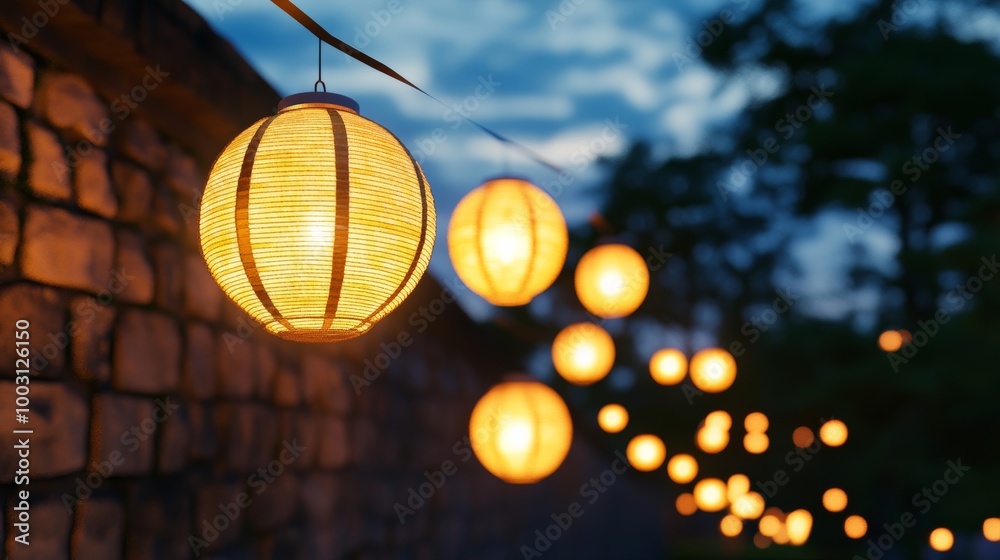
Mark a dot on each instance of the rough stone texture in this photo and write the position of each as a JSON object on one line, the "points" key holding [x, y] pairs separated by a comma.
{"points": [[58, 416], [183, 176], [133, 265], [10, 233], [158, 522], [56, 520], [17, 77], [140, 141], [62, 249], [99, 529], [198, 377], [202, 296], [123, 431], [207, 501], [10, 142], [147, 353], [45, 310], [167, 217], [135, 192], [93, 186], [203, 437], [69, 103], [49, 172], [168, 266], [175, 439], [90, 347]]}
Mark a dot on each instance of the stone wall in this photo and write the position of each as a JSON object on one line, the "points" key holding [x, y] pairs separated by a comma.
{"points": [[156, 406]]}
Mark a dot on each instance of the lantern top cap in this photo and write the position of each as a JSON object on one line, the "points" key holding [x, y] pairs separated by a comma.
{"points": [[319, 98], [507, 178]]}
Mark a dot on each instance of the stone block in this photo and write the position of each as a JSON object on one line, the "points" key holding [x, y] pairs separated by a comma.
{"points": [[124, 432], [58, 417], [133, 263], [324, 384], [138, 140], [49, 518], [99, 529], [69, 103], [17, 77], [320, 495], [135, 192], [168, 266], [45, 310], [334, 450], [275, 495], [237, 369], [286, 388], [10, 142], [49, 172], [10, 233], [147, 353], [202, 296], [198, 377], [94, 192], [66, 250], [175, 440], [204, 443], [90, 347]]}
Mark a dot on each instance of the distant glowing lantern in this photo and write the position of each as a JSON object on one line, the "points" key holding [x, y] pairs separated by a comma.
{"points": [[507, 240], [731, 525], [991, 529], [685, 504], [646, 452], [583, 353], [833, 433], [803, 437], [748, 506], [710, 494], [713, 370], [855, 527], [890, 341], [521, 430], [756, 442], [781, 537], [756, 422], [798, 525], [736, 486], [719, 419], [769, 525], [612, 418], [682, 468], [712, 439], [941, 539], [761, 541], [834, 500], [611, 280], [317, 222], [668, 366]]}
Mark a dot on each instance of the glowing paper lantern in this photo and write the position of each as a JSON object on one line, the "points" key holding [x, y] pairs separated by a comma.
{"points": [[756, 442], [803, 437], [611, 280], [646, 452], [798, 525], [756, 422], [710, 494], [855, 526], [685, 504], [731, 525], [834, 500], [719, 419], [713, 370], [712, 439], [316, 221], [769, 525], [507, 240], [833, 433], [748, 506], [991, 529], [612, 418], [682, 468], [941, 539], [521, 430], [668, 366], [583, 353]]}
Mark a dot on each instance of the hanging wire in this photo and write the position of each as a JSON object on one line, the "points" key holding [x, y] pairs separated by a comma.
{"points": [[319, 72]]}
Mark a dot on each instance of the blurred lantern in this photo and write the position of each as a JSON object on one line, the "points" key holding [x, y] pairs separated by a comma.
{"points": [[710, 494], [685, 504], [748, 506], [769, 525], [941, 539], [834, 500], [719, 419], [521, 430], [682, 468], [668, 366], [803, 437], [855, 526], [833, 433], [712, 439], [756, 442], [646, 452], [890, 341], [761, 541], [611, 280], [583, 353], [713, 370], [507, 240], [798, 525], [781, 537], [612, 418], [756, 422], [317, 222], [991, 529], [736, 486], [731, 525]]}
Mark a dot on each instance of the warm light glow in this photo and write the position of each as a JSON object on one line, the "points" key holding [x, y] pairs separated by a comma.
{"points": [[781, 537], [761, 541], [507, 240], [834, 500], [710, 494], [712, 439], [583, 353], [685, 504], [521, 431], [719, 419], [890, 341], [803, 437], [798, 525], [736, 486], [612, 418], [756, 442], [833, 433], [682, 468], [991, 529], [713, 370], [731, 525], [756, 422], [611, 280], [942, 540], [855, 526], [316, 221], [748, 506], [769, 525], [646, 452], [668, 366]]}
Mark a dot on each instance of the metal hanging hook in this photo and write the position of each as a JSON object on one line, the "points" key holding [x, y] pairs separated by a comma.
{"points": [[319, 72]]}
